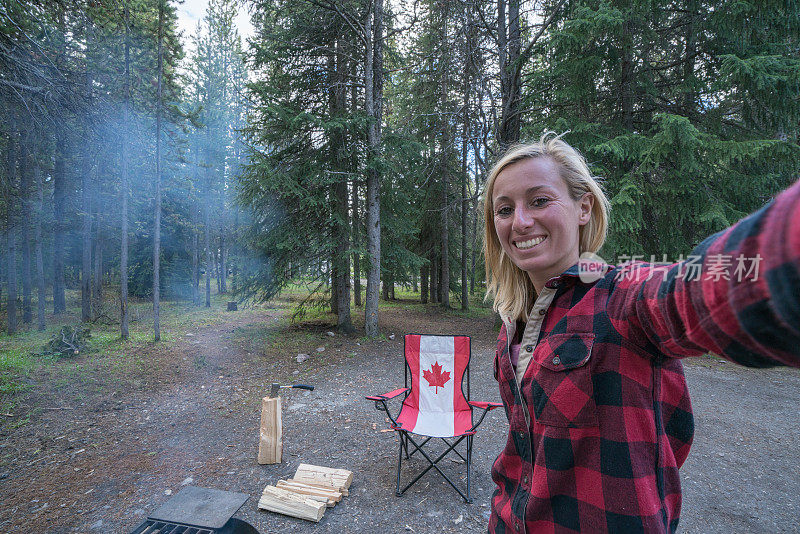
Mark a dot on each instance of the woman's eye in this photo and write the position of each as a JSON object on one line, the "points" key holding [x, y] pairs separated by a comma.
{"points": [[539, 202], [505, 211]]}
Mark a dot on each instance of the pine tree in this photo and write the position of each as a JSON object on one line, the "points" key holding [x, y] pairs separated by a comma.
{"points": [[683, 108]]}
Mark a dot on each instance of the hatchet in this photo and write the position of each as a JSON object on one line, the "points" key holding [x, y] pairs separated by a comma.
{"points": [[273, 392]]}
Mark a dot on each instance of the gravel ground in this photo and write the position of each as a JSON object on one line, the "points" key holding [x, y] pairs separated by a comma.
{"points": [[743, 473], [108, 456]]}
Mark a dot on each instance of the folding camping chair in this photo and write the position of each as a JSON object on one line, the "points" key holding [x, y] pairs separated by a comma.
{"points": [[435, 405]]}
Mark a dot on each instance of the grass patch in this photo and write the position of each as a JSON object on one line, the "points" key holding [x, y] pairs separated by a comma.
{"points": [[19, 362], [115, 360]]}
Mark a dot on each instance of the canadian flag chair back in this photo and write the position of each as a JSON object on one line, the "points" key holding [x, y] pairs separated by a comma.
{"points": [[436, 405]]}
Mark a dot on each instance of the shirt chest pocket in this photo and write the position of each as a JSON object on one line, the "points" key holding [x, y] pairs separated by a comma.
{"points": [[561, 385]]}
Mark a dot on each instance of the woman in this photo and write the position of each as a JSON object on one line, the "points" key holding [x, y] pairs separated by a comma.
{"points": [[599, 413]]}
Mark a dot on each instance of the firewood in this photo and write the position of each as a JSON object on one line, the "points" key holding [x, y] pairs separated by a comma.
{"points": [[270, 444], [339, 479], [292, 504], [325, 487], [330, 496]]}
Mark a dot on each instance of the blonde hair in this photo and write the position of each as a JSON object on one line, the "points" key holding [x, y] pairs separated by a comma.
{"points": [[512, 288]]}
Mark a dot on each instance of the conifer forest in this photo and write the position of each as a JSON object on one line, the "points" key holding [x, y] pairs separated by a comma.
{"points": [[345, 144]]}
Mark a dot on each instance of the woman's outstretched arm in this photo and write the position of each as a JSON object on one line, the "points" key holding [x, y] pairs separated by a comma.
{"points": [[737, 295]]}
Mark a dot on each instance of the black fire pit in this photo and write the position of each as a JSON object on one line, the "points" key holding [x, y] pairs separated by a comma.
{"points": [[196, 510]]}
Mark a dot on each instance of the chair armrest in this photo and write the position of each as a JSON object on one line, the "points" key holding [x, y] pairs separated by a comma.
{"points": [[386, 396], [486, 405]]}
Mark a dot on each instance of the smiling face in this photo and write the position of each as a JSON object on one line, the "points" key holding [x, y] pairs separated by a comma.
{"points": [[536, 220]]}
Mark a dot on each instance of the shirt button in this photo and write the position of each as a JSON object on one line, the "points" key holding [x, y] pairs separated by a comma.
{"points": [[542, 311], [556, 360], [525, 479], [528, 348]]}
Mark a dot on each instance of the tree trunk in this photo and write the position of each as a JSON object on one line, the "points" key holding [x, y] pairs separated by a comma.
{"points": [[217, 270], [123, 259], [59, 202], [468, 80], [333, 277], [59, 184], [209, 259], [423, 284], [11, 232], [236, 239], [195, 267], [157, 222], [86, 203], [40, 283], [97, 291], [86, 263], [27, 205], [474, 251], [341, 257], [356, 256], [223, 259], [373, 100], [627, 75], [444, 278], [690, 96], [11, 307], [444, 163], [434, 278], [508, 31], [354, 190]]}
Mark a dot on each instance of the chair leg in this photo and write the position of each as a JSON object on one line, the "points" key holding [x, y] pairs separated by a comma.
{"points": [[417, 447], [434, 466], [454, 450], [469, 467], [399, 463]]}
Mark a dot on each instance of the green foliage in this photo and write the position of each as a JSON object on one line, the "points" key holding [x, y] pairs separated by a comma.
{"points": [[688, 110]]}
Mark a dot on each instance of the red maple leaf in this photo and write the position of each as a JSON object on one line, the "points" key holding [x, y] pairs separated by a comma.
{"points": [[435, 377]]}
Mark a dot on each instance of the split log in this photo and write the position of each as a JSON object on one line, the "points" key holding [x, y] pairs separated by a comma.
{"points": [[342, 491], [270, 444], [327, 495], [290, 503], [338, 479]]}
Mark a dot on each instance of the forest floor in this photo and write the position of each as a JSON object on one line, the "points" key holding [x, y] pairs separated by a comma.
{"points": [[96, 443]]}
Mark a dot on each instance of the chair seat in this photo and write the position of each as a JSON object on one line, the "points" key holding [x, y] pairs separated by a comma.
{"points": [[435, 424]]}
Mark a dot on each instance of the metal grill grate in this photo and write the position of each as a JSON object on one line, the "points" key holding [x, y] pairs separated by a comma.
{"points": [[198, 511], [162, 527]]}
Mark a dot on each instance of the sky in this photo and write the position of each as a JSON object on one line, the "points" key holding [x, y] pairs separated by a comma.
{"points": [[190, 12]]}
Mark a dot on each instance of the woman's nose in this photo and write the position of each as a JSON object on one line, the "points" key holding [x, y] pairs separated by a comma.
{"points": [[522, 220]]}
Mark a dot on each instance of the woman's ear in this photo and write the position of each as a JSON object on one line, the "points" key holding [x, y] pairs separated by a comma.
{"points": [[585, 204]]}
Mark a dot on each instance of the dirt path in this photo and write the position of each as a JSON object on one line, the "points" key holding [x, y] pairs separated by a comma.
{"points": [[112, 454]]}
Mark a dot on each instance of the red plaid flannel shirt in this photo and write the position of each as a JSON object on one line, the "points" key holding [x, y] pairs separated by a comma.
{"points": [[602, 420]]}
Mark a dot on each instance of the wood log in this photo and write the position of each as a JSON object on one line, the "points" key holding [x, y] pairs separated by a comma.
{"points": [[343, 492], [328, 495], [339, 479], [290, 503], [270, 444]]}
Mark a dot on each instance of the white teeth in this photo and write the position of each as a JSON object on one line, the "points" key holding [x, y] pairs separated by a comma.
{"points": [[529, 244]]}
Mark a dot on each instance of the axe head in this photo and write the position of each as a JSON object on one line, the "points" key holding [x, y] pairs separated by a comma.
{"points": [[273, 392]]}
